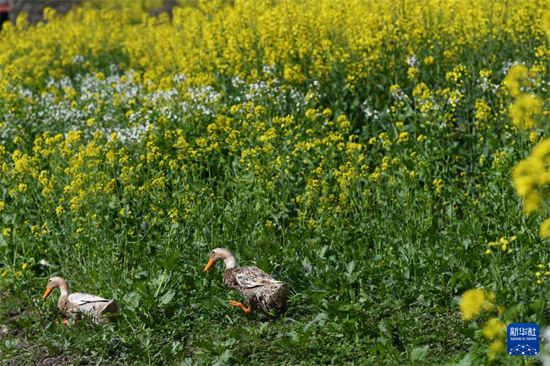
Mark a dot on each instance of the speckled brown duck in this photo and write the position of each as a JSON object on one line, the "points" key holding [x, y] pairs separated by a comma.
{"points": [[261, 291], [80, 303]]}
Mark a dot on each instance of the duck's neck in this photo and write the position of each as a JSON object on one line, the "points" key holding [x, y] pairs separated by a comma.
{"points": [[64, 288], [230, 262]]}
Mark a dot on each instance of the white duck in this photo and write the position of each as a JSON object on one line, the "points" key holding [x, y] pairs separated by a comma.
{"points": [[74, 305]]}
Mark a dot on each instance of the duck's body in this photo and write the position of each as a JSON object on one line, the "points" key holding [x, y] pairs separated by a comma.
{"points": [[80, 303], [95, 307], [261, 291]]}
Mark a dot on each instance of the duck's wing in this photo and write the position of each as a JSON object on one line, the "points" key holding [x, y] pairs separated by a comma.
{"points": [[249, 277], [110, 307], [87, 302]]}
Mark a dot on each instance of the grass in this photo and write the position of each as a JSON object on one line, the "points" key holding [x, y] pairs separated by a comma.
{"points": [[237, 340], [368, 166]]}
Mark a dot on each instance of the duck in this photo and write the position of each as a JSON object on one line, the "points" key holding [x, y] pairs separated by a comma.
{"points": [[81, 303], [261, 291]]}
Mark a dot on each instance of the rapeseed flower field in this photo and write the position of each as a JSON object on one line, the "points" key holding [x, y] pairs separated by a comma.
{"points": [[388, 160]]}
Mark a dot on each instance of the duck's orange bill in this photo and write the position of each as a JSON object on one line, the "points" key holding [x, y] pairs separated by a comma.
{"points": [[210, 263], [47, 293]]}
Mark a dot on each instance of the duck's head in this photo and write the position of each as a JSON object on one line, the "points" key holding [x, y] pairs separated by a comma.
{"points": [[221, 254], [56, 282]]}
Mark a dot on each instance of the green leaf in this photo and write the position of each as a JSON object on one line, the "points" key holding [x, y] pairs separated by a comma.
{"points": [[132, 300], [167, 297], [350, 267], [319, 319], [418, 353]]}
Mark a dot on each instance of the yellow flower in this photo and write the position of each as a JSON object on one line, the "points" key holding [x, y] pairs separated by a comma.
{"points": [[403, 137], [545, 23], [293, 74], [6, 232], [22, 187], [533, 137], [483, 110], [344, 122], [412, 73], [25, 266], [327, 113], [516, 78], [525, 110], [531, 203], [438, 184], [488, 303], [542, 149], [471, 303], [311, 114], [496, 347], [59, 210], [526, 175], [493, 327]]}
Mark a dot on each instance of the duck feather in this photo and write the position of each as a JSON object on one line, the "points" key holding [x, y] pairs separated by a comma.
{"points": [[261, 291], [250, 277]]}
